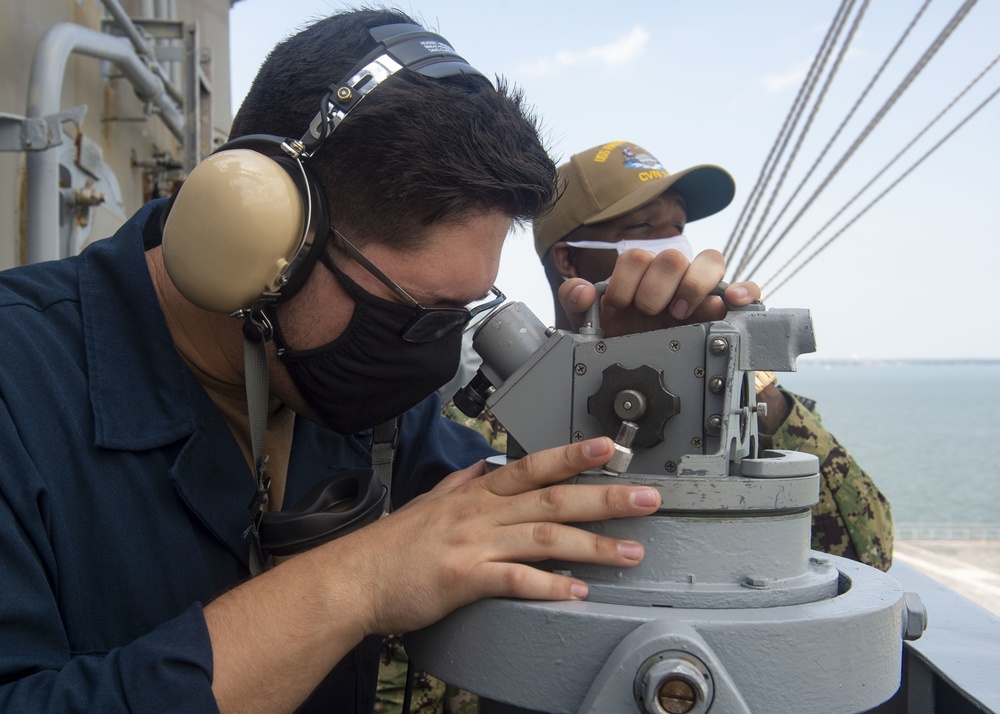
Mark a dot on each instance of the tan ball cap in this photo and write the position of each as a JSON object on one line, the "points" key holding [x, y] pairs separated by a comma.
{"points": [[234, 228], [612, 179]]}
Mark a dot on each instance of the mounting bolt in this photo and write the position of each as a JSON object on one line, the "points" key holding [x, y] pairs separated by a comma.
{"points": [[674, 682], [577, 436], [719, 347], [699, 372], [674, 345], [915, 618], [601, 348], [88, 196], [715, 423], [696, 442], [670, 467], [581, 369], [676, 695]]}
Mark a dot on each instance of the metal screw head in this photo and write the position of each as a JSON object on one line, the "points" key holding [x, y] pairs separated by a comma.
{"points": [[674, 345], [719, 346], [601, 348], [629, 404], [577, 436], [670, 467], [715, 423], [581, 369], [696, 442], [699, 372], [716, 384], [674, 682], [344, 94], [676, 696]]}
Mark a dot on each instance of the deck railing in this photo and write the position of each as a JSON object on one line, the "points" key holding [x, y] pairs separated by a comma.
{"points": [[947, 531]]}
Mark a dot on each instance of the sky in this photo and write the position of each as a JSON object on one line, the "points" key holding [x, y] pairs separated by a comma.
{"points": [[912, 277]]}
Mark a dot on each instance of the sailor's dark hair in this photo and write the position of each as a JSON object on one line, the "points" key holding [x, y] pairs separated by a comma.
{"points": [[414, 151]]}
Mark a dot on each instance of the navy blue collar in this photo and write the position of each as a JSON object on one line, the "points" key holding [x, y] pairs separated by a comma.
{"points": [[143, 394], [142, 366]]}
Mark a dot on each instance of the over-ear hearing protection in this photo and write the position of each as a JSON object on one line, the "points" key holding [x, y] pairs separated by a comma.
{"points": [[243, 225], [245, 229]]}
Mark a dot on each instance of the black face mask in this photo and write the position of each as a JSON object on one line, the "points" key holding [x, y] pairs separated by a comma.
{"points": [[369, 374]]}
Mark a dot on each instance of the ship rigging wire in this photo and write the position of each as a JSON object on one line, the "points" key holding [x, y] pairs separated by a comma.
{"points": [[791, 120], [757, 242], [836, 134], [754, 243], [890, 187]]}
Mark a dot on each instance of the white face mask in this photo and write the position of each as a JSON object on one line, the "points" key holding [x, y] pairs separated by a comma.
{"points": [[653, 245]]}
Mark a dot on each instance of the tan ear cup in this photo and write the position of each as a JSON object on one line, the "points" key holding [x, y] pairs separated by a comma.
{"points": [[235, 226]]}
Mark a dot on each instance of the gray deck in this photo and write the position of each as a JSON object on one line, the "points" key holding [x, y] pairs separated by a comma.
{"points": [[969, 567]]}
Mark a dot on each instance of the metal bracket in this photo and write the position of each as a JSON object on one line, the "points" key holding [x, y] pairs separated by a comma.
{"points": [[19, 133]]}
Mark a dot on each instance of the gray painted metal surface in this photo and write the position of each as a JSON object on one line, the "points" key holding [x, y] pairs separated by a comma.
{"points": [[44, 91], [730, 610], [840, 654], [957, 659]]}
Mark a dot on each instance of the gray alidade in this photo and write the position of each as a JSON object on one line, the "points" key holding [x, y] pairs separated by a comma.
{"points": [[730, 610]]}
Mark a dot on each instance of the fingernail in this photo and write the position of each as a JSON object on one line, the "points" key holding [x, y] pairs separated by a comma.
{"points": [[632, 551], [598, 447], [644, 497], [679, 309], [741, 293], [574, 294], [579, 590]]}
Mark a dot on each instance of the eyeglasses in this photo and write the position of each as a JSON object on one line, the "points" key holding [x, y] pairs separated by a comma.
{"points": [[428, 323]]}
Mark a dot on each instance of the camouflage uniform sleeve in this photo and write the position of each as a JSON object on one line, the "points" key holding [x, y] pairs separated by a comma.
{"points": [[492, 430], [430, 695], [853, 518], [427, 694]]}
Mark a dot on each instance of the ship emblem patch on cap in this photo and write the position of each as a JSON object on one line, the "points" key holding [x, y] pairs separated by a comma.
{"points": [[634, 159]]}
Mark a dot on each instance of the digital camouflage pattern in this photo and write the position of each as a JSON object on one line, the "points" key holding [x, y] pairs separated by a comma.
{"points": [[486, 424], [430, 695], [852, 519]]}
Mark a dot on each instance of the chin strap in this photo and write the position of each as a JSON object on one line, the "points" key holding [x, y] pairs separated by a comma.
{"points": [[385, 437], [257, 330]]}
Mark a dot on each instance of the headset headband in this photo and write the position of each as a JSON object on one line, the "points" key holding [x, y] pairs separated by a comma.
{"points": [[401, 46]]}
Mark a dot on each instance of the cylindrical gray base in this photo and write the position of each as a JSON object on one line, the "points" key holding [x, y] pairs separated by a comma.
{"points": [[841, 654], [694, 561]]}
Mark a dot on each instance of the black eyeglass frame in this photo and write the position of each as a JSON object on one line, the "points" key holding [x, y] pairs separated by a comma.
{"points": [[429, 323]]}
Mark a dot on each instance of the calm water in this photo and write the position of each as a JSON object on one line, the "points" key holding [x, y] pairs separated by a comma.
{"points": [[928, 433]]}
